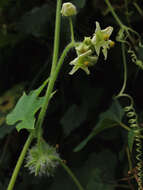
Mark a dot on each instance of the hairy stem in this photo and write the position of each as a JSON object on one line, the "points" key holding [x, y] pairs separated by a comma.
{"points": [[19, 162]]}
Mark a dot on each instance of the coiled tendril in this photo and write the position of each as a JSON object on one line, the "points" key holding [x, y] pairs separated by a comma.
{"points": [[133, 124], [134, 58]]}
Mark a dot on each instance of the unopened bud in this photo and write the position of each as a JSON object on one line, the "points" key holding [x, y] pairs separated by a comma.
{"points": [[68, 9]]}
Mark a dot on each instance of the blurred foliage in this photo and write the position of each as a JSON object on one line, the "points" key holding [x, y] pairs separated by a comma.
{"points": [[111, 118], [7, 103], [82, 106]]}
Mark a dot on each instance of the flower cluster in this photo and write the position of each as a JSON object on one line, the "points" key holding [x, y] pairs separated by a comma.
{"points": [[88, 51], [42, 159]]}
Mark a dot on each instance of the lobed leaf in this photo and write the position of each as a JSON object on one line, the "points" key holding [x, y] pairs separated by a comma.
{"points": [[24, 112]]}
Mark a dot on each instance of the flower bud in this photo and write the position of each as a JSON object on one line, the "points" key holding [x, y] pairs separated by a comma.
{"points": [[68, 9]]}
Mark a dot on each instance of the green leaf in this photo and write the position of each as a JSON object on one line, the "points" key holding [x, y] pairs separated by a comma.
{"points": [[131, 138], [25, 109], [110, 118], [73, 118]]}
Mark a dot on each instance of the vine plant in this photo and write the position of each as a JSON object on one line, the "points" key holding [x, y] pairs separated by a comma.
{"points": [[42, 159], [125, 37]]}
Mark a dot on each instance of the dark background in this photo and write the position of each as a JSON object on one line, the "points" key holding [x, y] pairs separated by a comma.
{"points": [[26, 46]]}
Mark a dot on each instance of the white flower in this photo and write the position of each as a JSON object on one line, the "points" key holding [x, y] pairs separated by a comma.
{"points": [[83, 61]]}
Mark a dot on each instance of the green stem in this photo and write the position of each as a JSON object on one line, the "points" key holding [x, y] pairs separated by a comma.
{"points": [[72, 175], [57, 35], [138, 8], [71, 29], [19, 162], [124, 27], [50, 89], [124, 126], [125, 70], [114, 14], [129, 158], [127, 12], [127, 128]]}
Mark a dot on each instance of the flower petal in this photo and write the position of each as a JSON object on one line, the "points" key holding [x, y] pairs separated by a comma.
{"points": [[108, 31], [97, 27], [74, 69]]}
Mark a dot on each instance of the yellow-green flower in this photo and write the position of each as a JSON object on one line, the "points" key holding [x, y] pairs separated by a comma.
{"points": [[84, 46], [83, 61], [101, 39]]}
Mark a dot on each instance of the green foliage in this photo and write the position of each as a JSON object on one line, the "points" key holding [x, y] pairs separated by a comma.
{"points": [[4, 3], [73, 118], [36, 21], [26, 50], [9, 39], [111, 118], [131, 138], [25, 110], [5, 130], [94, 173], [7, 103]]}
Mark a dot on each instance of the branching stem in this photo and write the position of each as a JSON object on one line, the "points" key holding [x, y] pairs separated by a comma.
{"points": [[119, 22], [114, 14], [50, 89]]}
